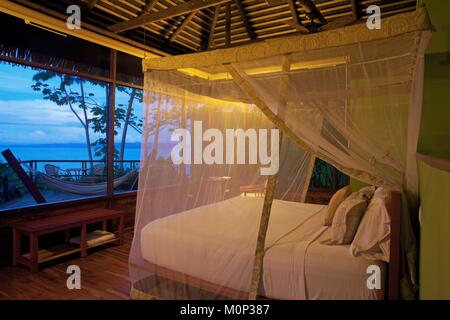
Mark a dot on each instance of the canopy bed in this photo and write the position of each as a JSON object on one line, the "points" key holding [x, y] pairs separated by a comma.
{"points": [[351, 97]]}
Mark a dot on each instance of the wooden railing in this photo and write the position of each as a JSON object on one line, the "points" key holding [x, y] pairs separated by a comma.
{"points": [[83, 164], [10, 184]]}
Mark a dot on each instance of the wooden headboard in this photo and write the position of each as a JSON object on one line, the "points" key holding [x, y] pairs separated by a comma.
{"points": [[393, 278]]}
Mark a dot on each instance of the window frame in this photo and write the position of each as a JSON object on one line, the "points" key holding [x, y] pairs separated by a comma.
{"points": [[111, 106]]}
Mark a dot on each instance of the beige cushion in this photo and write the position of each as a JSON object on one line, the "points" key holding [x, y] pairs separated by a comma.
{"points": [[335, 201], [346, 219], [372, 240]]}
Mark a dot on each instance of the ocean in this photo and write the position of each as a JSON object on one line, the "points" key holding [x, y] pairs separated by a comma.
{"points": [[69, 151]]}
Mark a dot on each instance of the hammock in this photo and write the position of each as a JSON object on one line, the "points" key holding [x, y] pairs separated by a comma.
{"points": [[83, 188]]}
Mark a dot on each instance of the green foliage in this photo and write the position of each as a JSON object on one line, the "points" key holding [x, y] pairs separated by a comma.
{"points": [[67, 90], [3, 168], [322, 176], [61, 92]]}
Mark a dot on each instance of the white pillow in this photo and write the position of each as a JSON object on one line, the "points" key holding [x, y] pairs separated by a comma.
{"points": [[372, 240], [346, 219], [367, 192]]}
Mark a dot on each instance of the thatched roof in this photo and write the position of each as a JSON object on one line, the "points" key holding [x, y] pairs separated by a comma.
{"points": [[179, 26]]}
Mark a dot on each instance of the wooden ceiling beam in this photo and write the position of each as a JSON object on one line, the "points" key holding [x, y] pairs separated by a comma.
{"points": [[293, 10], [149, 5], [228, 24], [245, 20], [274, 3], [355, 9], [297, 27], [213, 27], [312, 10], [92, 3], [296, 23], [182, 26], [181, 9]]}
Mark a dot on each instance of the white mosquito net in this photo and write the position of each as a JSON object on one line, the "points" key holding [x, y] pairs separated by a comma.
{"points": [[211, 199]]}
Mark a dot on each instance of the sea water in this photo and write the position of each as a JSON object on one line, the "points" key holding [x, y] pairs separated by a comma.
{"points": [[70, 151]]}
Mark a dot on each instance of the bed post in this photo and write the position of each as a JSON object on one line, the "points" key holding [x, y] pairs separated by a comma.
{"points": [[393, 280]]}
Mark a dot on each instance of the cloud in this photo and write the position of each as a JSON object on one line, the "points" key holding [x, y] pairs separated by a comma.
{"points": [[39, 121], [14, 82], [47, 135], [37, 111], [25, 117], [38, 134]]}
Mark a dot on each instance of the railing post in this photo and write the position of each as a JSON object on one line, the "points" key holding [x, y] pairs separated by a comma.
{"points": [[30, 171], [35, 169]]}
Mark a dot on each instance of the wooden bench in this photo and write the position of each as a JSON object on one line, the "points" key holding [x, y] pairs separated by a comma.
{"points": [[35, 228]]}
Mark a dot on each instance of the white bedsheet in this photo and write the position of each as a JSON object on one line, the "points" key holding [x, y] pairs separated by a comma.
{"points": [[216, 243]]}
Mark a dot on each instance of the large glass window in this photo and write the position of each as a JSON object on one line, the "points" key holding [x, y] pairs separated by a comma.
{"points": [[55, 125], [127, 138]]}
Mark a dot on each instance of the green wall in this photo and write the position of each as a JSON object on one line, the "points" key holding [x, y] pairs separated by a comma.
{"points": [[356, 184], [435, 141], [439, 11], [435, 233], [435, 124]]}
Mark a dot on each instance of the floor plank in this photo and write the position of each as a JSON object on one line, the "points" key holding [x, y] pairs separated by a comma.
{"points": [[104, 275]]}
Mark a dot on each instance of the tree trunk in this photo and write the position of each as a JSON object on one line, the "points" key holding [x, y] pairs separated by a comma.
{"points": [[125, 127], [85, 124], [156, 136], [86, 127]]}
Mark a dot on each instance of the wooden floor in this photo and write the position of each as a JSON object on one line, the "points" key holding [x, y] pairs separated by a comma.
{"points": [[104, 275]]}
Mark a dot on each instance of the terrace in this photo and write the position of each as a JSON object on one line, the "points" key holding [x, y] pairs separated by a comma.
{"points": [[79, 174]]}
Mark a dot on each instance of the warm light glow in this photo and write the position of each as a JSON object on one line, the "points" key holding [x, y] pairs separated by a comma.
{"points": [[44, 28], [304, 65]]}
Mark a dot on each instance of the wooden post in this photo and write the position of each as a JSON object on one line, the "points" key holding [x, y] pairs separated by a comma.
{"points": [[67, 235], [395, 210], [16, 246], [121, 227], [110, 126], [34, 253], [26, 180], [261, 240], [183, 126], [83, 240]]}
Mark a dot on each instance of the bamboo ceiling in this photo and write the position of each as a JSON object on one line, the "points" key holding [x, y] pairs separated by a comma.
{"points": [[178, 26]]}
